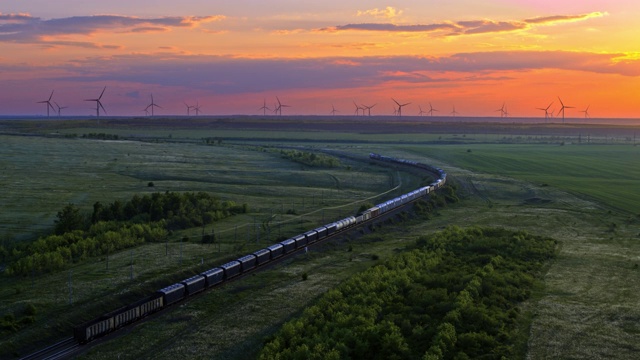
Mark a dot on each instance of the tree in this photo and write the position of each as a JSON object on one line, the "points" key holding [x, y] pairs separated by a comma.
{"points": [[69, 219]]}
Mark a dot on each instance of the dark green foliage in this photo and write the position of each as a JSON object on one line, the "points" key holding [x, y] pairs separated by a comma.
{"points": [[310, 159], [364, 207], [100, 136], [454, 296], [69, 219], [117, 226]]}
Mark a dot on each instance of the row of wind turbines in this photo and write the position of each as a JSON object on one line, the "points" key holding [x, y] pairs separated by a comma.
{"points": [[549, 114], [50, 106], [360, 110]]}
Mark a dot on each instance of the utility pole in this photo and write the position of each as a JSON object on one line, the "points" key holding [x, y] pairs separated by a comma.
{"points": [[131, 265], [70, 288]]}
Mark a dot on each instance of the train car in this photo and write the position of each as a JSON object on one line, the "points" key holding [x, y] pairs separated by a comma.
{"points": [[321, 231], [173, 293], [231, 269], [194, 284], [248, 262], [137, 310], [262, 256], [301, 240], [93, 329], [310, 236], [213, 276], [276, 250], [150, 305], [351, 220], [331, 228], [289, 245]]}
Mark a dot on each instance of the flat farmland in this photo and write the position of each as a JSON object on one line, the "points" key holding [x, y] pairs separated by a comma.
{"points": [[606, 173]]}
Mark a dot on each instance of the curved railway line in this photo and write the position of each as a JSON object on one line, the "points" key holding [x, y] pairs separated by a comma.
{"points": [[189, 288]]}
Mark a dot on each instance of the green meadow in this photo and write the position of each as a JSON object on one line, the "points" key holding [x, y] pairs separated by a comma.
{"points": [[584, 196], [606, 173]]}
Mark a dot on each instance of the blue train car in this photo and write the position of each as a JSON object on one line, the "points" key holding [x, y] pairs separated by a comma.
{"points": [[301, 240], [262, 256], [248, 262], [276, 250], [289, 245], [322, 232], [173, 293], [194, 284], [231, 269], [311, 236], [213, 276]]}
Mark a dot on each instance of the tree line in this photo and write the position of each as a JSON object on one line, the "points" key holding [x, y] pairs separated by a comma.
{"points": [[116, 226], [310, 159], [455, 295]]}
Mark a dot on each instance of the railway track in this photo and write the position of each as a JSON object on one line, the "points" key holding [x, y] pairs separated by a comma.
{"points": [[57, 351]]}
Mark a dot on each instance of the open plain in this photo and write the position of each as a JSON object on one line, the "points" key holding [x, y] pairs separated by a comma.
{"points": [[574, 183]]}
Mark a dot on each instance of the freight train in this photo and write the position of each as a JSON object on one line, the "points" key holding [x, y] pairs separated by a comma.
{"points": [[179, 291]]}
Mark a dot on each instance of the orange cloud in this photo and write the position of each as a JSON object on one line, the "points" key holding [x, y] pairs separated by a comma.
{"points": [[387, 13]]}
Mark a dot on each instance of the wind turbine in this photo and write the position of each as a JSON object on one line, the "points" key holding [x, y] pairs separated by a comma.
{"points": [[152, 105], [586, 112], [431, 109], [333, 110], [368, 108], [546, 110], [502, 110], [189, 107], [280, 106], [98, 103], [562, 108], [264, 107], [59, 108], [358, 108], [421, 112], [48, 102], [454, 112], [400, 106], [197, 108]]}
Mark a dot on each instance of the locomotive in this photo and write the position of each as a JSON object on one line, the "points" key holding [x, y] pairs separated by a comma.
{"points": [[218, 275]]}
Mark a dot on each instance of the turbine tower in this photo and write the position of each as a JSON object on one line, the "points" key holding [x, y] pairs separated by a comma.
{"points": [[280, 106], [152, 105], [502, 110], [60, 108], [196, 108], [431, 110], [421, 112], [264, 107], [333, 110], [189, 107], [562, 107], [546, 111], [586, 112], [454, 112], [368, 108], [358, 108], [98, 103], [48, 102], [400, 106]]}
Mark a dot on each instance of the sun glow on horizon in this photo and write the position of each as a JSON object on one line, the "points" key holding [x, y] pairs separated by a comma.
{"points": [[227, 54]]}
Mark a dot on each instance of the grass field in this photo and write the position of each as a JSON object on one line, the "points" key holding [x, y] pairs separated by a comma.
{"points": [[587, 310]]}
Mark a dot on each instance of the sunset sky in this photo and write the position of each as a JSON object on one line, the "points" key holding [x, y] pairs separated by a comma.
{"points": [[230, 56]]}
